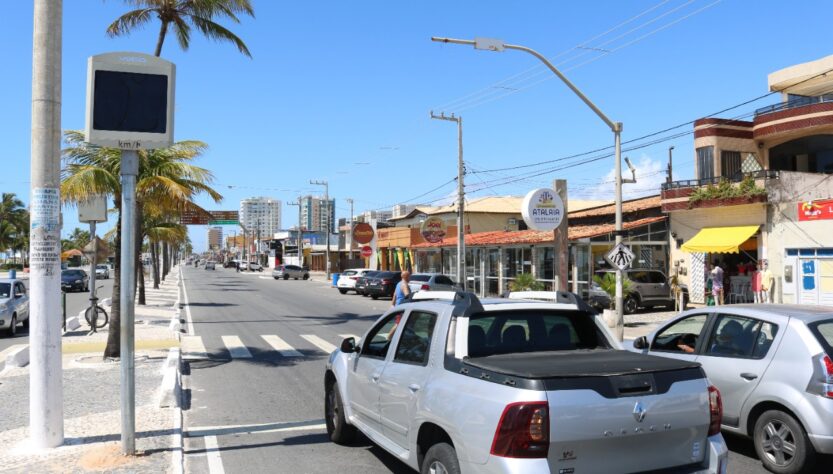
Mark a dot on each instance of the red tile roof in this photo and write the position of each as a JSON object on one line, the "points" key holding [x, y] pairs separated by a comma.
{"points": [[529, 237], [633, 205]]}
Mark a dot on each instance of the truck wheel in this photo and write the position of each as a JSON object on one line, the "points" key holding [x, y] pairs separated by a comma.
{"points": [[343, 292], [631, 305], [286, 277], [26, 323], [781, 443], [374, 297], [338, 429], [440, 459]]}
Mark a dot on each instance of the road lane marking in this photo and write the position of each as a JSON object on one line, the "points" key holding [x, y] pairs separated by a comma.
{"points": [[193, 348], [213, 431], [190, 322], [281, 346], [319, 343], [212, 452], [236, 348], [265, 278]]}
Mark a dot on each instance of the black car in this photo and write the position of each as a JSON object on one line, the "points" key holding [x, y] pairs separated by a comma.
{"points": [[362, 281], [75, 280], [383, 284]]}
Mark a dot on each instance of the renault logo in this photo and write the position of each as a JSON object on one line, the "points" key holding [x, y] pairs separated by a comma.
{"points": [[639, 412]]}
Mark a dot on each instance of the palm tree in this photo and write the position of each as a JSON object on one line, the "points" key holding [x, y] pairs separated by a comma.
{"points": [[14, 222], [166, 178], [182, 15]]}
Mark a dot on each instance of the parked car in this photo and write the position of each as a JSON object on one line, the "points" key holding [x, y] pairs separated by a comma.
{"points": [[75, 279], [230, 264], [348, 278], [431, 282], [102, 271], [773, 365], [290, 271], [362, 282], [14, 305], [209, 265], [448, 383], [251, 266], [650, 288], [383, 284]]}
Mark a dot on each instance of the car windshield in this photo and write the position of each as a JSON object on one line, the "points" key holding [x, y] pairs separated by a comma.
{"points": [[101, 267], [510, 332], [420, 277], [823, 331], [72, 273], [349, 272], [5, 290]]}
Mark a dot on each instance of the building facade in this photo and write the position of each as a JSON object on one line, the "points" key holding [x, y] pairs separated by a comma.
{"points": [[763, 193], [261, 215], [317, 215], [214, 238]]}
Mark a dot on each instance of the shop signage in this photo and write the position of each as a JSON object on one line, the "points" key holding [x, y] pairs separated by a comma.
{"points": [[367, 251], [433, 230], [815, 210], [362, 233], [542, 209]]}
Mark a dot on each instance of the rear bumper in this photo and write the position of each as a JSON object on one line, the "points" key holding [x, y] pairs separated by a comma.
{"points": [[378, 291]]}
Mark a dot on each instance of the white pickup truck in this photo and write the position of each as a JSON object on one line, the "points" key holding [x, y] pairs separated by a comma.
{"points": [[450, 384]]}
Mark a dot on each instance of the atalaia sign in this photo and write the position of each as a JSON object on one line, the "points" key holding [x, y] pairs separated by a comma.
{"points": [[542, 209]]}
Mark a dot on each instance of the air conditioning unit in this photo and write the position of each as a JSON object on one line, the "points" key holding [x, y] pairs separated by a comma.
{"points": [[513, 221]]}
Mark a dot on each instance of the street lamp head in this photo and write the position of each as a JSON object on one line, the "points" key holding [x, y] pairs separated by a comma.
{"points": [[488, 44]]}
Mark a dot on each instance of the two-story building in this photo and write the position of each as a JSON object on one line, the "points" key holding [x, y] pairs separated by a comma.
{"points": [[763, 191]]}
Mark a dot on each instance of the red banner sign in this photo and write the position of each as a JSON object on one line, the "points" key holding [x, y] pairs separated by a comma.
{"points": [[367, 251], [815, 210], [362, 233]]}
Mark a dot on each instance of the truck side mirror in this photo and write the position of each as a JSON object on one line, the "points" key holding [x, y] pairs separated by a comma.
{"points": [[348, 346], [640, 342]]}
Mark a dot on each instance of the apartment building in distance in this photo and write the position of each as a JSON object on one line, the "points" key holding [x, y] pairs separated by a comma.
{"points": [[214, 237], [317, 214], [261, 215]]}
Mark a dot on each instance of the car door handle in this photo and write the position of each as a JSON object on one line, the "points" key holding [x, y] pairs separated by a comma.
{"points": [[413, 387], [375, 377], [749, 376]]}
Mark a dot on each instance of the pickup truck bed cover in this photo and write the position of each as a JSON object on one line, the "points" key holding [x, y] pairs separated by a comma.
{"points": [[576, 363]]}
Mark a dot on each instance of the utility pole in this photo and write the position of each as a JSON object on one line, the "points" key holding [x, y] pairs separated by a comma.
{"points": [[350, 231], [326, 219], [298, 203], [461, 171], [46, 413], [670, 176]]}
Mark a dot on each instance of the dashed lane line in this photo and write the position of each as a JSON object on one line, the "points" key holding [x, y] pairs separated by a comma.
{"points": [[281, 346], [212, 452], [319, 343]]}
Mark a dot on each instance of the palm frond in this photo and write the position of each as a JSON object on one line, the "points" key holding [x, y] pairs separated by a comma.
{"points": [[129, 21], [219, 33]]}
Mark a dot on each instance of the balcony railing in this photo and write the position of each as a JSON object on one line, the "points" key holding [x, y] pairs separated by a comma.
{"points": [[793, 103], [736, 178]]}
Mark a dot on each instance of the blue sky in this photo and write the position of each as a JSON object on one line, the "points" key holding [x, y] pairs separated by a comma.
{"points": [[342, 90]]}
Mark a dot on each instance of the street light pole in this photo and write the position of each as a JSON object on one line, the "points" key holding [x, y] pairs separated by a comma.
{"points": [[350, 232], [616, 127], [326, 220], [461, 171]]}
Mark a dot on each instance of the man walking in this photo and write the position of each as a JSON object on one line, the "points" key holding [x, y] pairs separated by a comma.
{"points": [[717, 284], [767, 284], [402, 289]]}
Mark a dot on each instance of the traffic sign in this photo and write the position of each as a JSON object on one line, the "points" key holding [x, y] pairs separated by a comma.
{"points": [[620, 256], [367, 251]]}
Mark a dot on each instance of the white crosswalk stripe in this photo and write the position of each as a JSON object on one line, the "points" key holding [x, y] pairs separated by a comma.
{"points": [[319, 343], [281, 346], [193, 348], [236, 348]]}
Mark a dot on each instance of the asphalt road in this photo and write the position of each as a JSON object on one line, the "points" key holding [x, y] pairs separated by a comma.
{"points": [[264, 413]]}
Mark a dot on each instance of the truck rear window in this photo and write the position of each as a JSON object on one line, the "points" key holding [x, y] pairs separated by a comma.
{"points": [[823, 331], [505, 332]]}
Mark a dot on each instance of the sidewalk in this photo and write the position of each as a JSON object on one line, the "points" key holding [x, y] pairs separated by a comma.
{"points": [[92, 420]]}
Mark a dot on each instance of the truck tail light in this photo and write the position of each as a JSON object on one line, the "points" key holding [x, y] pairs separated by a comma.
{"points": [[386, 282], [825, 388], [523, 431], [425, 287], [715, 410], [354, 278]]}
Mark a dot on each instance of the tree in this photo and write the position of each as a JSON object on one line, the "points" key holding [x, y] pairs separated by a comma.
{"points": [[167, 178], [525, 282], [14, 223], [183, 15], [607, 283]]}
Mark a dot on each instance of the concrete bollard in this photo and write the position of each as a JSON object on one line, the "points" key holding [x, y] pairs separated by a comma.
{"points": [[73, 323], [171, 388], [18, 357]]}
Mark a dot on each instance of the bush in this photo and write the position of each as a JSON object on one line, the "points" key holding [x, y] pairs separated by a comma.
{"points": [[525, 282], [12, 266], [726, 190]]}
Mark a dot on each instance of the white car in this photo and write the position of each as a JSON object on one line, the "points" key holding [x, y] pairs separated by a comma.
{"points": [[14, 306], [102, 271], [347, 279]]}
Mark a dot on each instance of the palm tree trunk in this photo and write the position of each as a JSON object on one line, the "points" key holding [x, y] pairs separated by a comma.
{"points": [[140, 268], [161, 40], [113, 348], [154, 257], [165, 260]]}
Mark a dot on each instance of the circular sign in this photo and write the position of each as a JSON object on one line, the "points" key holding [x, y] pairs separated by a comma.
{"points": [[362, 233], [542, 209], [433, 230], [367, 251]]}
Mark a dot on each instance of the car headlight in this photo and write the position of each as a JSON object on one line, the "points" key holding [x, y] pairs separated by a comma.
{"points": [[77, 281]]}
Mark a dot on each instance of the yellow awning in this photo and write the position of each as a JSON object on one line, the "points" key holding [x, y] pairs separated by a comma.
{"points": [[720, 239]]}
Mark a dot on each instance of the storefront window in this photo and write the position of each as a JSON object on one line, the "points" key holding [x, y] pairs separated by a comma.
{"points": [[515, 262], [544, 261], [428, 261]]}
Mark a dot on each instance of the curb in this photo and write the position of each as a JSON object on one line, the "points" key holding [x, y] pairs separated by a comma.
{"points": [[171, 388], [18, 356]]}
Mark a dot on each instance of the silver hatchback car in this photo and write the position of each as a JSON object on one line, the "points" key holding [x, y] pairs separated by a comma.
{"points": [[773, 365]]}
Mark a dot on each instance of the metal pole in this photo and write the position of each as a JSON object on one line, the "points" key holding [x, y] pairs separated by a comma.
{"points": [[129, 172], [670, 177], [46, 415], [461, 240], [620, 314], [327, 222], [93, 261], [350, 232]]}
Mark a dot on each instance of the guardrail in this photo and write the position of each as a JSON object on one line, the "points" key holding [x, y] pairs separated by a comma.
{"points": [[738, 177], [792, 103]]}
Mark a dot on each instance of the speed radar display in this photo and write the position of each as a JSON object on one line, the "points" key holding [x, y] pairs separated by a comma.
{"points": [[130, 101]]}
